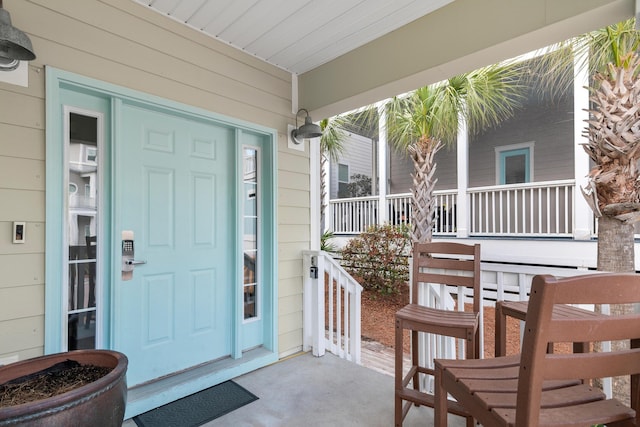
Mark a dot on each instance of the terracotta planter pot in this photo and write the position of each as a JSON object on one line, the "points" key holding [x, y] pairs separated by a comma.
{"points": [[100, 403]]}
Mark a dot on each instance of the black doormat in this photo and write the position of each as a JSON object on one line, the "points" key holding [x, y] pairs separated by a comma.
{"points": [[198, 408]]}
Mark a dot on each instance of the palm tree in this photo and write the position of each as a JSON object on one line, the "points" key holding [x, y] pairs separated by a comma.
{"points": [[613, 140], [613, 132], [430, 117]]}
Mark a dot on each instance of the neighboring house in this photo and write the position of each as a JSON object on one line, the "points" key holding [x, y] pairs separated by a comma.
{"points": [[515, 188], [535, 145], [357, 159], [134, 138]]}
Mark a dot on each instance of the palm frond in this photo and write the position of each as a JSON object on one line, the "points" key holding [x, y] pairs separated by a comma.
{"points": [[553, 70], [484, 98], [333, 137]]}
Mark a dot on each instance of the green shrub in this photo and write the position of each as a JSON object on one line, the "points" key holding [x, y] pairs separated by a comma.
{"points": [[378, 258]]}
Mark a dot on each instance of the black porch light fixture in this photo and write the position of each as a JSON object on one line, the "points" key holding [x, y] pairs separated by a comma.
{"points": [[15, 45], [307, 131]]}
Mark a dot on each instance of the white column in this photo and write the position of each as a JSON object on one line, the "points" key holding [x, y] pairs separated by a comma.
{"points": [[383, 214], [582, 216], [314, 190], [462, 153]]}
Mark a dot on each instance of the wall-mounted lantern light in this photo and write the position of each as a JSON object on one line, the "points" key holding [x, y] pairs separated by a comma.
{"points": [[15, 45], [307, 131]]}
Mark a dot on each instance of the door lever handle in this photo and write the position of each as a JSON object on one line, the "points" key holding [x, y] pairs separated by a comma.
{"points": [[135, 262]]}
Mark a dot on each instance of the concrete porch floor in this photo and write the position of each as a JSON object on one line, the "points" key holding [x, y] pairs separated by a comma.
{"points": [[304, 390]]}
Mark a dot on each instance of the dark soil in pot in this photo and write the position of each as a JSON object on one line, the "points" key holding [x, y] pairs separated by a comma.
{"points": [[57, 379], [99, 402]]}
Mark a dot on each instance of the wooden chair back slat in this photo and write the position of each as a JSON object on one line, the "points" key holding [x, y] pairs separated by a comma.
{"points": [[606, 288], [446, 279], [592, 365], [447, 263], [596, 329], [448, 248]]}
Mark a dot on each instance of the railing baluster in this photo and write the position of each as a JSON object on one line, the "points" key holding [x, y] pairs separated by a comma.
{"points": [[523, 208], [480, 212], [508, 212], [356, 332], [331, 310], [514, 212], [345, 308], [472, 213], [549, 219], [557, 212], [539, 210], [338, 320], [501, 201], [566, 209], [531, 210]]}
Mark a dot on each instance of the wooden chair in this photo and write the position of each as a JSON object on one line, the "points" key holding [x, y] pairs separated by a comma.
{"points": [[452, 264], [518, 310], [540, 388]]}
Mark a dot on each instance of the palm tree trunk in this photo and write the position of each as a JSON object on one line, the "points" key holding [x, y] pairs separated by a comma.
{"points": [[616, 254], [423, 202], [615, 245]]}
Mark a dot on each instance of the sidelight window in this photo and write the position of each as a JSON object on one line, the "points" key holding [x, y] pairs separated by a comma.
{"points": [[251, 217], [83, 143]]}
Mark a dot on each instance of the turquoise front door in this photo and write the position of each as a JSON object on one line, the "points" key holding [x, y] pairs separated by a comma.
{"points": [[173, 192]]}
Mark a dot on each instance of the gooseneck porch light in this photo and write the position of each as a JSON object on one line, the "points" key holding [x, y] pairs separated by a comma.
{"points": [[307, 131], [15, 45]]}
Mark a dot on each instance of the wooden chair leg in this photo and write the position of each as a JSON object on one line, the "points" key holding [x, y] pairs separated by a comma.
{"points": [[398, 373], [470, 422], [501, 331], [635, 386], [440, 401], [469, 348], [415, 359]]}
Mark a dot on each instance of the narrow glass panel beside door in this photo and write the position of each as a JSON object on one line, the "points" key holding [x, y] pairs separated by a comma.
{"points": [[250, 233], [82, 163]]}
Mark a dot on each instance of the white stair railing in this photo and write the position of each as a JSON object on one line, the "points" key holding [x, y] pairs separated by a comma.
{"points": [[332, 304]]}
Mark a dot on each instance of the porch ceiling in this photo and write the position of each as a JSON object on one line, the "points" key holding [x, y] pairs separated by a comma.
{"points": [[296, 35], [350, 53]]}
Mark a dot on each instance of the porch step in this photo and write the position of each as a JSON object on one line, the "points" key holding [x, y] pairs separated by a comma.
{"points": [[380, 358]]}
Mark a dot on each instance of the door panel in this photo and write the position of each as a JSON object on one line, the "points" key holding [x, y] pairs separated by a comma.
{"points": [[173, 190]]}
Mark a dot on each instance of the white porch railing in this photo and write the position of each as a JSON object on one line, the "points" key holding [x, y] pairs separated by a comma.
{"points": [[532, 209], [332, 303], [539, 209], [353, 215]]}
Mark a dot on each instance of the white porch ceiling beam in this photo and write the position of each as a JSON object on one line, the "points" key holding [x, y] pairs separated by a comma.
{"points": [[432, 48]]}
